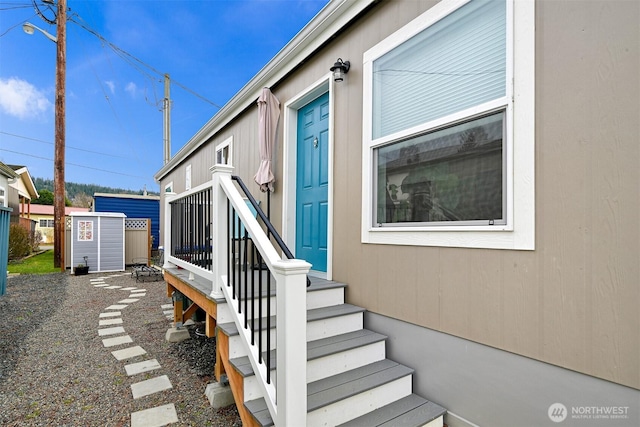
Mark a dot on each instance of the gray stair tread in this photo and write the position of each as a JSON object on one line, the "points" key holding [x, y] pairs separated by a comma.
{"points": [[338, 343], [342, 386], [258, 408], [317, 284], [319, 348], [230, 328], [410, 411], [338, 387], [333, 311], [243, 365]]}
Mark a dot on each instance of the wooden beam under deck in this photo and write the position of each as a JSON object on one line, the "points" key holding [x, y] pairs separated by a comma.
{"points": [[197, 296]]}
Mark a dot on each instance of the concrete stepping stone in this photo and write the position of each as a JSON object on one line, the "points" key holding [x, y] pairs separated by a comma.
{"points": [[111, 342], [137, 295], [113, 287], [155, 417], [107, 322], [128, 353], [129, 289], [168, 312], [151, 386], [164, 306], [111, 314], [140, 367], [111, 331], [116, 307], [104, 285], [99, 279], [128, 301]]}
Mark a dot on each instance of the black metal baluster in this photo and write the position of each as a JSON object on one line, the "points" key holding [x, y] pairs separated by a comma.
{"points": [[229, 246], [235, 254], [260, 309], [253, 298], [246, 277], [269, 330]]}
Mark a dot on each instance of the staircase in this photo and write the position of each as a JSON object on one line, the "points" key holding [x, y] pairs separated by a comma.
{"points": [[350, 382]]}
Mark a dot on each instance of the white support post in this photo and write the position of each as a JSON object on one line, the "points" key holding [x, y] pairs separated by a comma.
{"points": [[168, 197], [291, 327], [220, 231]]}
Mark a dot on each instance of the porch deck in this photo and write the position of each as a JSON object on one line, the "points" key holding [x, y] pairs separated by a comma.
{"points": [[198, 290]]}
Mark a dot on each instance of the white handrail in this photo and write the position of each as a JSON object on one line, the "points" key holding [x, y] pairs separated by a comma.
{"points": [[287, 400]]}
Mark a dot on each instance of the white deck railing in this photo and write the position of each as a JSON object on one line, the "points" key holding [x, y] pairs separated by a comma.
{"points": [[286, 400]]}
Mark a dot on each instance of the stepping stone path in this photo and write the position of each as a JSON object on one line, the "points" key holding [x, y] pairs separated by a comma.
{"points": [[108, 319]]}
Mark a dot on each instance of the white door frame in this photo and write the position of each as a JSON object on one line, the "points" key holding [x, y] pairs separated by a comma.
{"points": [[289, 151]]}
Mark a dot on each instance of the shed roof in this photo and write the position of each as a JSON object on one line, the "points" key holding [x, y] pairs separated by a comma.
{"points": [[97, 214], [127, 196]]}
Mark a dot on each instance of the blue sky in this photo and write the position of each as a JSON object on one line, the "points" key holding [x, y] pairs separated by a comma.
{"points": [[114, 123]]}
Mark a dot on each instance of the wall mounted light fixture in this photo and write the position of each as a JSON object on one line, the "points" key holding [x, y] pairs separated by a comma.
{"points": [[339, 69]]}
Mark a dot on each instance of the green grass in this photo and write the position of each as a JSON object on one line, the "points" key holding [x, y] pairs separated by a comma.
{"points": [[38, 264]]}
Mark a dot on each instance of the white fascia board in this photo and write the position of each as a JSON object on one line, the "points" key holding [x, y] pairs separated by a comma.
{"points": [[328, 22], [29, 186]]}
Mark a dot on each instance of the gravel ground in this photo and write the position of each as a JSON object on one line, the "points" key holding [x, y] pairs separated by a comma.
{"points": [[55, 371]]}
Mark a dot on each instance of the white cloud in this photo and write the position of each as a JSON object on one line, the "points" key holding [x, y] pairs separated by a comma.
{"points": [[131, 89], [21, 99], [111, 85]]}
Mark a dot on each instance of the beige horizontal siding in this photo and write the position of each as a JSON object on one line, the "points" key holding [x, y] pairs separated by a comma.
{"points": [[573, 301]]}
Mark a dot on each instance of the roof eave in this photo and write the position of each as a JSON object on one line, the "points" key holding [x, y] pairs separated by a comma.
{"points": [[333, 17]]}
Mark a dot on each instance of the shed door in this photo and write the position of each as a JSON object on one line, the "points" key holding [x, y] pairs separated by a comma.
{"points": [[312, 182], [111, 244]]}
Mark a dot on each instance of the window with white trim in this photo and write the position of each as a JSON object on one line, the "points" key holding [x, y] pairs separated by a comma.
{"points": [[187, 178], [3, 197], [46, 223], [442, 154], [224, 153]]}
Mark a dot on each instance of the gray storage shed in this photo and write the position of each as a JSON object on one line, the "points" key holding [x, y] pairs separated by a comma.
{"points": [[99, 236]]}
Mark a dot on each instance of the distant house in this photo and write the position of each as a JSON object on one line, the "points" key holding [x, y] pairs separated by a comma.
{"points": [[7, 176], [43, 216], [133, 206], [21, 190]]}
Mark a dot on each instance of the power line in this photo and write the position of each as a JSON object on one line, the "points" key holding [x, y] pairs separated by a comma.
{"points": [[126, 55], [68, 146], [14, 26], [123, 54], [74, 164]]}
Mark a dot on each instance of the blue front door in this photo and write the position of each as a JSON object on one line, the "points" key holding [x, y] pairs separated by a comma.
{"points": [[312, 182]]}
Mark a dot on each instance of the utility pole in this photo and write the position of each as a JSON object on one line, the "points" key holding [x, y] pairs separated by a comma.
{"points": [[166, 111], [60, 129]]}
